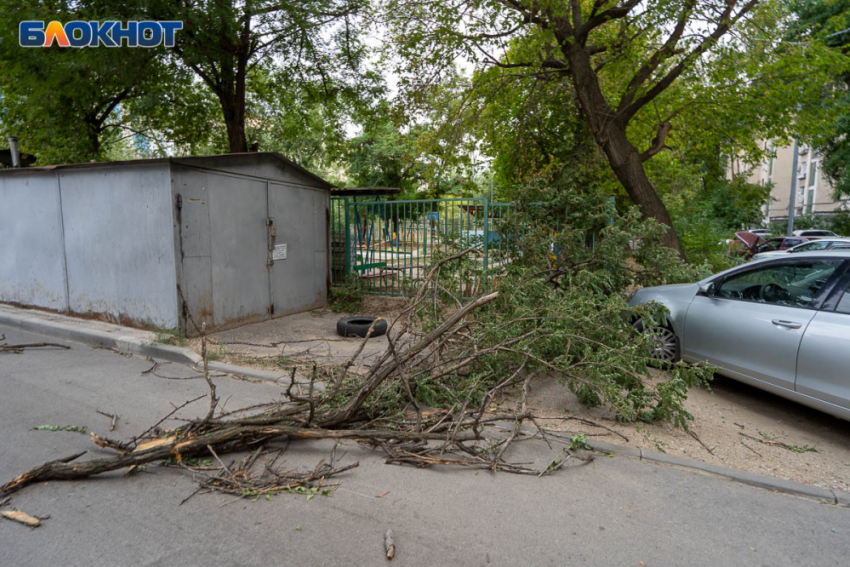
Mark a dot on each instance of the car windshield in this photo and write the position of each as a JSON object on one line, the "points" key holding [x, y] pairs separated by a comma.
{"points": [[810, 246], [791, 285]]}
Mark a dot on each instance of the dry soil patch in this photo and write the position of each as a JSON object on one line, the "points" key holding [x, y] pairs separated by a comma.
{"points": [[736, 424]]}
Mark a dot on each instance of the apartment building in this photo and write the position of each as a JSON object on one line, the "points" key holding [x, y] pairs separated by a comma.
{"points": [[814, 192]]}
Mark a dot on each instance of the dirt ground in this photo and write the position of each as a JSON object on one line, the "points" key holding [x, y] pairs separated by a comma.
{"points": [[739, 427]]}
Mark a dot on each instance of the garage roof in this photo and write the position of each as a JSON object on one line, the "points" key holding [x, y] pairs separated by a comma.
{"points": [[198, 161]]}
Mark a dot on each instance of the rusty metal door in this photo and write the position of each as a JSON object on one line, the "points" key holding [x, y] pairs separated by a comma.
{"points": [[298, 248]]}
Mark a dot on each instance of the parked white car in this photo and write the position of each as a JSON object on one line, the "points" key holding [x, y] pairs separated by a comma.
{"points": [[814, 233], [813, 246]]}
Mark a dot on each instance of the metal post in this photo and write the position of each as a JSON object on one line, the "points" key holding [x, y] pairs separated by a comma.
{"points": [[486, 232], [792, 203], [345, 276], [13, 150]]}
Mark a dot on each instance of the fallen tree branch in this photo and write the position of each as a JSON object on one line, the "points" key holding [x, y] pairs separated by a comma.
{"points": [[359, 408], [19, 349]]}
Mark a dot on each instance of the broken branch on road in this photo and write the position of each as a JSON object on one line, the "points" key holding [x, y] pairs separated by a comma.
{"points": [[362, 408], [19, 349], [428, 398]]}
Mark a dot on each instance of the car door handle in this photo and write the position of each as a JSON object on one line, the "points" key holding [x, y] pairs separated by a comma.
{"points": [[789, 324]]}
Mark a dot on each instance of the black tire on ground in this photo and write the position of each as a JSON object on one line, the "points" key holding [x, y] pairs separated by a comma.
{"points": [[359, 326], [669, 349]]}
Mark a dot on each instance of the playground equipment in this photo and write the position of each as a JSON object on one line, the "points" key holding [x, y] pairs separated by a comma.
{"points": [[386, 245]]}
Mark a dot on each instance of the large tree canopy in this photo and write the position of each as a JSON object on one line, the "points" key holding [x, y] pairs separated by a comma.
{"points": [[637, 71], [311, 45], [71, 104]]}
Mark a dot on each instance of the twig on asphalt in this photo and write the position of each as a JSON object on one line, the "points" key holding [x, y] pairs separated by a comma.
{"points": [[19, 349], [113, 416]]}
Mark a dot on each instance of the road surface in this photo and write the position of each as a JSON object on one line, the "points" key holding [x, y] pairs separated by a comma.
{"points": [[614, 511]]}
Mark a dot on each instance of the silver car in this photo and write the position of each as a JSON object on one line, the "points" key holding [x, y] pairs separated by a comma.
{"points": [[780, 324]]}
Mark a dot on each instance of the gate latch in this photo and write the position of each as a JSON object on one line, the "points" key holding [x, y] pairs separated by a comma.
{"points": [[272, 236]]}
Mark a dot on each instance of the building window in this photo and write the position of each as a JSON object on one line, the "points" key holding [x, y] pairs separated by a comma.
{"points": [[813, 170], [810, 201]]}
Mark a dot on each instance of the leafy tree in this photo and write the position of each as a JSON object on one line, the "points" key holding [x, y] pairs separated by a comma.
{"points": [[829, 21], [382, 156], [310, 46], [69, 105], [636, 69], [561, 309]]}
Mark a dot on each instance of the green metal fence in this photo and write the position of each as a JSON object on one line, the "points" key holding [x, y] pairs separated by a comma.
{"points": [[386, 246]]}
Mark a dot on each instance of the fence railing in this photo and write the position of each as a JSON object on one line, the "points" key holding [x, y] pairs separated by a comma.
{"points": [[385, 247]]}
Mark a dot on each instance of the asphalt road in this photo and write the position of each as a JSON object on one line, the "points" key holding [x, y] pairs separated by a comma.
{"points": [[614, 511]]}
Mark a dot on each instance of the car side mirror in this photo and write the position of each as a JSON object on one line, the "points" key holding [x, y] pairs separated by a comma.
{"points": [[707, 289]]}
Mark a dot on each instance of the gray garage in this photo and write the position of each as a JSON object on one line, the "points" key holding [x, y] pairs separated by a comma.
{"points": [[169, 243]]}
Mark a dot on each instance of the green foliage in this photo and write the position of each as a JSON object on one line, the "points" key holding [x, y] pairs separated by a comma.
{"points": [[669, 91], [562, 308], [75, 105], [838, 222], [169, 336], [706, 205], [803, 449], [578, 441], [382, 156], [826, 22], [269, 64], [346, 299]]}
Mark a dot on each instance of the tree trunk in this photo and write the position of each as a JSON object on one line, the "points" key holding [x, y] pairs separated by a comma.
{"points": [[234, 120], [232, 98], [610, 134], [626, 163], [93, 131]]}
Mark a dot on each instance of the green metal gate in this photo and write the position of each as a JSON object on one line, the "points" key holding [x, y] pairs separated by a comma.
{"points": [[386, 246]]}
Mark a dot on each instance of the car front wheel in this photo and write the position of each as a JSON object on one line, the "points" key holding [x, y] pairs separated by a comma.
{"points": [[669, 349]]}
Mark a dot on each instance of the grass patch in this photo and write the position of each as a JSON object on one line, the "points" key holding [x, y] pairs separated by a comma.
{"points": [[169, 336], [348, 299]]}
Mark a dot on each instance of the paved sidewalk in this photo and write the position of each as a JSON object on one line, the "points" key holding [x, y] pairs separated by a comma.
{"points": [[253, 350], [301, 337]]}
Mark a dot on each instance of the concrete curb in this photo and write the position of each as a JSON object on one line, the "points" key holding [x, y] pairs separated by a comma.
{"points": [[27, 321], [836, 497], [124, 343], [30, 321]]}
